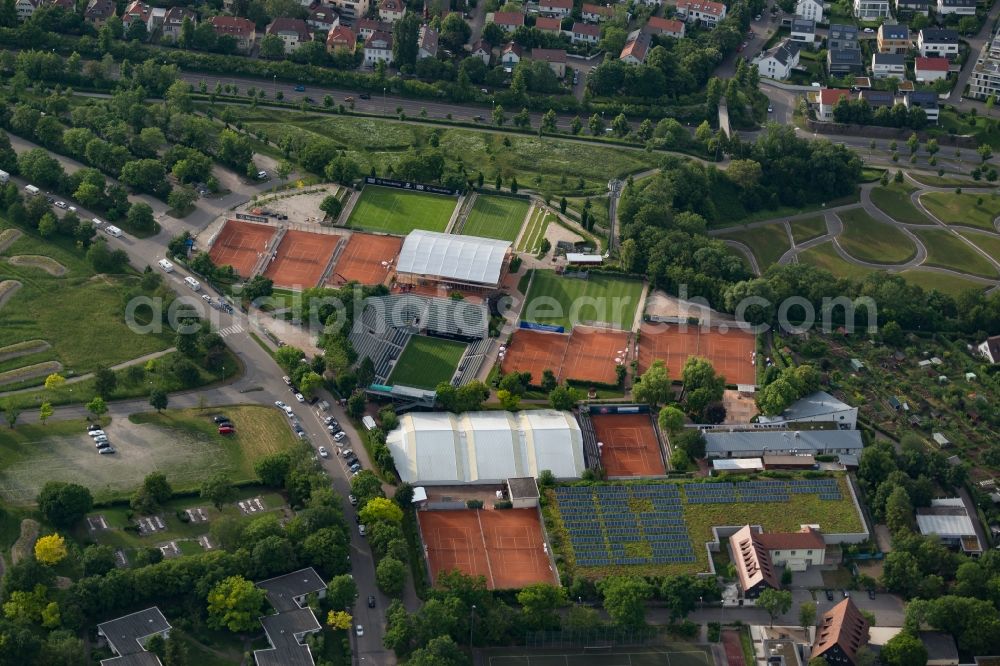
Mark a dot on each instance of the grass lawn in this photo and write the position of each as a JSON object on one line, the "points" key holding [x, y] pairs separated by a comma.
{"points": [[988, 242], [963, 209], [894, 201], [731, 213], [561, 301], [496, 217], [808, 228], [399, 211], [768, 243], [946, 250], [825, 257], [80, 315], [868, 239], [947, 284], [426, 362], [943, 181], [531, 239]]}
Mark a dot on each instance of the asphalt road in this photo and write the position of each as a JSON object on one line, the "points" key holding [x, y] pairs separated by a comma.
{"points": [[260, 383]]}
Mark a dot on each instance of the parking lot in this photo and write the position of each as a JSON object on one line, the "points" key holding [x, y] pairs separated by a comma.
{"points": [[297, 207]]}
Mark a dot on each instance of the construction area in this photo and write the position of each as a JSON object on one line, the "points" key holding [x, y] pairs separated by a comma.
{"points": [[730, 350]]}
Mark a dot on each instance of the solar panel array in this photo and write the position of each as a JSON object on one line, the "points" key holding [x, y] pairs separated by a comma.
{"points": [[775, 490]]}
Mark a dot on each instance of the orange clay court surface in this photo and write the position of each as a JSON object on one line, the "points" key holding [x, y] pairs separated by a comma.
{"points": [[240, 244], [361, 260], [302, 258], [630, 444], [728, 352], [587, 355], [504, 546]]}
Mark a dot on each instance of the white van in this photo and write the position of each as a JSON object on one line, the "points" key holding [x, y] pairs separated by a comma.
{"points": [[112, 230], [31, 189], [166, 266], [194, 284]]}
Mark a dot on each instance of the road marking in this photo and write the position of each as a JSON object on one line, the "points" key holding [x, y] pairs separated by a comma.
{"points": [[230, 330]]}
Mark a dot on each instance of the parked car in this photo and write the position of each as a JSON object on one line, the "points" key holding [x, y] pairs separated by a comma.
{"points": [[300, 397], [351, 462], [103, 445], [262, 175], [829, 594], [97, 433], [356, 467], [347, 453], [300, 88], [323, 453], [361, 530], [339, 436], [871, 593], [333, 429], [92, 427], [221, 419], [61, 204], [353, 500], [359, 630], [287, 380], [279, 404], [371, 601], [226, 429], [365, 96], [107, 450]]}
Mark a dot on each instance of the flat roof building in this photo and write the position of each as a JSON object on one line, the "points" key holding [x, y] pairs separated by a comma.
{"points": [[288, 628], [949, 519], [460, 260], [758, 443]]}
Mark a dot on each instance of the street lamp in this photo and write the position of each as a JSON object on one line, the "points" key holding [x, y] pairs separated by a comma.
{"points": [[472, 624], [383, 101]]}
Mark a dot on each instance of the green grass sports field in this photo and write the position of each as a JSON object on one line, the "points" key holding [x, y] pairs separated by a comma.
{"points": [[426, 362], [496, 217], [400, 211], [564, 301]]}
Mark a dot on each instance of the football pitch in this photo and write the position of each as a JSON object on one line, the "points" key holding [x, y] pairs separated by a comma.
{"points": [[426, 362], [400, 211], [558, 300], [687, 655], [496, 217]]}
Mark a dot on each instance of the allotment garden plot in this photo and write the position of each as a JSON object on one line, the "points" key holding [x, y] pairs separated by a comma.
{"points": [[400, 211]]}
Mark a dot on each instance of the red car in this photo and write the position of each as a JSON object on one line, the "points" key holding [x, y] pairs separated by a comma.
{"points": [[226, 430]]}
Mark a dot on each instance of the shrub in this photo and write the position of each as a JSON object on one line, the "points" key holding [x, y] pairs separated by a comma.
{"points": [[503, 504], [474, 504]]}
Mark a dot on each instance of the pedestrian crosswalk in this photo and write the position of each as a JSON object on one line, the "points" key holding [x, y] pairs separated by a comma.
{"points": [[230, 330]]}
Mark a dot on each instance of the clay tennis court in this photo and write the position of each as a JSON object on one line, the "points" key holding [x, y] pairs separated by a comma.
{"points": [[729, 352], [535, 351], [240, 245], [361, 260], [505, 546], [631, 447], [301, 259], [592, 353]]}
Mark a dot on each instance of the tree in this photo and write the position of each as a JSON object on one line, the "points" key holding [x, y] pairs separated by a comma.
{"points": [[670, 419], [341, 591], [50, 549], [235, 604], [807, 615], [548, 122], [356, 405], [898, 510], [775, 602], [45, 411], [564, 397], [327, 549], [339, 620], [390, 574], [258, 287], [508, 401], [64, 504], [540, 603], [105, 382], [625, 599], [219, 490], [97, 560], [901, 572], [405, 40], [498, 117], [904, 649], [596, 124], [181, 199], [11, 412], [140, 217], [984, 150], [438, 651], [365, 486], [332, 206], [381, 509], [288, 358], [271, 555], [158, 399], [272, 47], [620, 125], [548, 380], [653, 387], [54, 382]]}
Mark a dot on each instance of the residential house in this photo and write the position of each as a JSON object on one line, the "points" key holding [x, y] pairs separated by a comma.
{"points": [[427, 43], [893, 39], [904, 7], [652, 3], [366, 27], [810, 9], [173, 20], [843, 37], [548, 24], [885, 65], [351, 9], [556, 8], [840, 61], [378, 47], [128, 635], [99, 11], [242, 30], [875, 99], [391, 10], [754, 570], [293, 32], [341, 37], [940, 42], [509, 21], [556, 59], [756, 443], [869, 10], [942, 649], [778, 62], [25, 8], [842, 631], [585, 33], [818, 407], [928, 101], [804, 32], [510, 55], [293, 619], [482, 50], [959, 7], [930, 69], [636, 48], [949, 519], [596, 13], [68, 5], [795, 550], [137, 11], [990, 349], [705, 12], [665, 27], [156, 17], [323, 18]]}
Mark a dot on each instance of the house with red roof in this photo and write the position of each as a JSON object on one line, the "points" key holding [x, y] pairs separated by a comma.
{"points": [[556, 59], [828, 98], [585, 33], [930, 69], [548, 24], [242, 30], [596, 13], [706, 12], [508, 20], [665, 27], [341, 37], [636, 48], [557, 8]]}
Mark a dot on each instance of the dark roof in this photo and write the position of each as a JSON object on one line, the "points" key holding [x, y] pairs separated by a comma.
{"points": [[939, 35], [523, 487], [284, 632], [845, 56], [895, 32], [784, 51], [889, 59], [803, 25], [282, 589], [285, 24], [842, 625], [922, 98], [878, 97], [137, 659], [125, 633], [840, 31], [940, 646]]}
